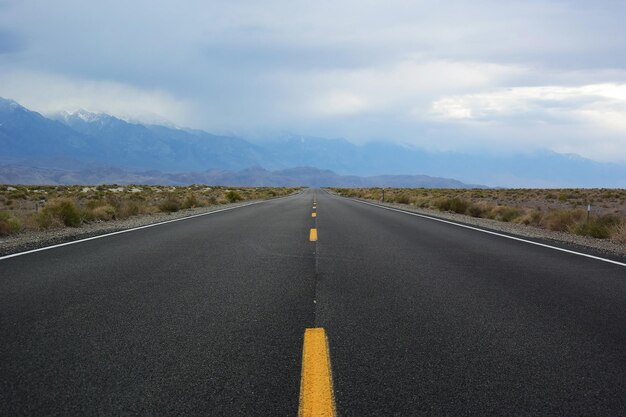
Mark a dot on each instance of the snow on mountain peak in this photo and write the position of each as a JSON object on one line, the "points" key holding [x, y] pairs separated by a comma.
{"points": [[88, 116]]}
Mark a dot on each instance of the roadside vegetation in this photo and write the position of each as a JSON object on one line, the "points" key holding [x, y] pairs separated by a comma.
{"points": [[24, 208], [563, 210]]}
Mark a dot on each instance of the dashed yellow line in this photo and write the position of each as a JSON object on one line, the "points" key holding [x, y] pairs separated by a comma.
{"points": [[316, 386], [313, 235], [313, 214]]}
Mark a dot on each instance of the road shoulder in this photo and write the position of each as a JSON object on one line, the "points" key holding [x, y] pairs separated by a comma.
{"points": [[602, 247], [38, 239]]}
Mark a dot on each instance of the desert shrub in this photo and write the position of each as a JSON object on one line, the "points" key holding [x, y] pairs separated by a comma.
{"points": [[212, 200], [8, 224], [115, 200], [619, 232], [403, 199], [422, 202], [532, 218], [106, 212], [506, 214], [477, 210], [18, 195], [442, 204], [137, 197], [233, 196], [58, 213], [169, 205], [562, 220], [454, 204], [598, 227], [132, 208], [458, 205], [191, 201], [69, 214], [94, 202], [45, 220], [65, 211]]}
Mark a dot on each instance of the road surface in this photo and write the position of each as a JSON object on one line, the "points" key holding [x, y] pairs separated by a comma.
{"points": [[206, 316]]}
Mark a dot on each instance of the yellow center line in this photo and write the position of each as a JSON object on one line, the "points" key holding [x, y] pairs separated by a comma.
{"points": [[316, 386], [313, 235], [313, 214]]}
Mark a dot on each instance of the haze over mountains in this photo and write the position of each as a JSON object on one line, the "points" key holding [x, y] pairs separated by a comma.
{"points": [[84, 147]]}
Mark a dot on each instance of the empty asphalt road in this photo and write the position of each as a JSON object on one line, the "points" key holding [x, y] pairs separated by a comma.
{"points": [[206, 316]]}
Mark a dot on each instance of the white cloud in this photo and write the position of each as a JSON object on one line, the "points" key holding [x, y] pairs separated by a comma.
{"points": [[589, 120], [396, 87], [338, 103], [601, 103], [49, 93]]}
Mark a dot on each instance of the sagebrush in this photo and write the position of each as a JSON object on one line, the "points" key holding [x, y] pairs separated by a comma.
{"points": [[563, 210], [25, 208]]}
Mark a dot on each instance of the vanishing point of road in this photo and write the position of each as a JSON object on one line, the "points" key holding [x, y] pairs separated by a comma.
{"points": [[406, 316]]}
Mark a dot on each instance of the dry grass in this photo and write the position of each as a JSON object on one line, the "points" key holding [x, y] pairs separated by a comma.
{"points": [[559, 210], [619, 233], [9, 224], [47, 207]]}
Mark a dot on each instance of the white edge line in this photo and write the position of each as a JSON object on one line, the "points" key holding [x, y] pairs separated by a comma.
{"points": [[13, 255], [598, 258]]}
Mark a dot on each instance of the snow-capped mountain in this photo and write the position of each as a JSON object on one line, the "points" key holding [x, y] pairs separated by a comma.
{"points": [[106, 140], [82, 139], [81, 115]]}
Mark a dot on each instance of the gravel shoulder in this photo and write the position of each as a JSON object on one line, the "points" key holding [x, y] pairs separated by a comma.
{"points": [[37, 239], [601, 247]]}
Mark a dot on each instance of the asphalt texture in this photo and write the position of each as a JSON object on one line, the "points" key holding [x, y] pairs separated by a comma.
{"points": [[206, 316]]}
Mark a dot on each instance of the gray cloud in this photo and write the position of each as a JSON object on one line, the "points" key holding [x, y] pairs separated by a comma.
{"points": [[10, 42], [363, 70]]}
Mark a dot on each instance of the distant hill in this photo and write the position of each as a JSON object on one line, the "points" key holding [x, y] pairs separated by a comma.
{"points": [[535, 169], [256, 176], [84, 142], [139, 146]]}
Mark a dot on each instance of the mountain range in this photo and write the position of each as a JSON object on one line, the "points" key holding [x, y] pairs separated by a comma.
{"points": [[255, 176], [86, 147]]}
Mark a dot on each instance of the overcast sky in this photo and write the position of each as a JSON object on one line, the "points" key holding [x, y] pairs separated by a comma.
{"points": [[448, 75]]}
